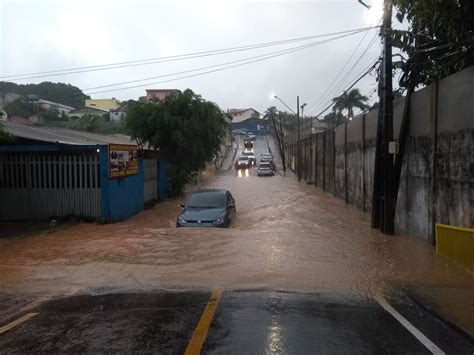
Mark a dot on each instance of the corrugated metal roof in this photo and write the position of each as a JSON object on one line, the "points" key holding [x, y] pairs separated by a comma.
{"points": [[64, 136]]}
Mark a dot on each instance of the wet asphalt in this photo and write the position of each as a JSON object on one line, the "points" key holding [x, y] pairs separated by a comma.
{"points": [[245, 322]]}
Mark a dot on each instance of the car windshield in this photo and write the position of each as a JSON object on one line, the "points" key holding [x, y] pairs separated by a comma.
{"points": [[207, 200], [247, 153], [244, 158], [265, 165]]}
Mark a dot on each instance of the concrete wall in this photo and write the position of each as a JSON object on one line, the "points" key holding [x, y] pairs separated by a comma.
{"points": [[438, 170], [437, 180]]}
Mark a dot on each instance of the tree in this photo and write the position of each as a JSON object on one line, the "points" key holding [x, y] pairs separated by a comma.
{"points": [[19, 107], [5, 137], [439, 41], [350, 100], [334, 119], [50, 115], [65, 94], [186, 129], [90, 123], [270, 112], [289, 121]]}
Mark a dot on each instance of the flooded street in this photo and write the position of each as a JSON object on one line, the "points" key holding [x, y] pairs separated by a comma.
{"points": [[287, 236], [297, 272]]}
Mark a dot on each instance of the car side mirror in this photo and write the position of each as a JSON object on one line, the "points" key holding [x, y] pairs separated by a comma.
{"points": [[181, 205]]}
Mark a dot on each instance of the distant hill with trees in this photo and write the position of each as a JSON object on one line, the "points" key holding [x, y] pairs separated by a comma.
{"points": [[61, 93]]}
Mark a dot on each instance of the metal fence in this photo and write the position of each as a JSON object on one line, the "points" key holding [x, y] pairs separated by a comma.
{"points": [[39, 186], [456, 243]]}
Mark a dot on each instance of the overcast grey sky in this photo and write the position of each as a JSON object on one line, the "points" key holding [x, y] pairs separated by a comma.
{"points": [[41, 35]]}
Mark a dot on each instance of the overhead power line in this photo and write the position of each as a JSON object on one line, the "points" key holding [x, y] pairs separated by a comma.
{"points": [[359, 78], [343, 80], [331, 86], [284, 51], [241, 63], [367, 72], [156, 60]]}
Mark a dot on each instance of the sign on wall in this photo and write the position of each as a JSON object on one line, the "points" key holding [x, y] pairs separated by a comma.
{"points": [[123, 160]]}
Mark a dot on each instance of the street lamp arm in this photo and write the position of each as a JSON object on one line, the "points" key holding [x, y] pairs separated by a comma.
{"points": [[364, 4], [284, 103]]}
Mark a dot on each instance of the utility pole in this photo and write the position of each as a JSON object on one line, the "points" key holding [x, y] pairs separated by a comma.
{"points": [[387, 142], [383, 201], [282, 144], [298, 148]]}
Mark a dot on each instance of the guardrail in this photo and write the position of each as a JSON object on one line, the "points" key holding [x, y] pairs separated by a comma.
{"points": [[456, 243]]}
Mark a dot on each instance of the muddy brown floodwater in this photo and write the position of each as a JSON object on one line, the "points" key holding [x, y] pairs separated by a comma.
{"points": [[287, 236]]}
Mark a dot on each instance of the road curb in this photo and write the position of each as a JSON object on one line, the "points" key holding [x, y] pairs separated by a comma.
{"points": [[468, 337]]}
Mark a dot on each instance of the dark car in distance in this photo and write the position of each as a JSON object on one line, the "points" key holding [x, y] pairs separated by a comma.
{"points": [[208, 208], [243, 162]]}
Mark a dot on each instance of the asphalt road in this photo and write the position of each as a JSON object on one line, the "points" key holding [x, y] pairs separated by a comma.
{"points": [[243, 323]]}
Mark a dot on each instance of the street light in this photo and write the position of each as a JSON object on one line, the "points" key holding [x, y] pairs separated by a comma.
{"points": [[298, 149], [302, 115], [273, 96]]}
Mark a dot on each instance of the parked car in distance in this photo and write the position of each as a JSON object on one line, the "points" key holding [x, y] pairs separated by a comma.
{"points": [[266, 157], [265, 169], [208, 208], [250, 154], [243, 162]]}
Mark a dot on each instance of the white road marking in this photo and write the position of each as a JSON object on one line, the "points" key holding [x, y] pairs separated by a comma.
{"points": [[410, 327]]}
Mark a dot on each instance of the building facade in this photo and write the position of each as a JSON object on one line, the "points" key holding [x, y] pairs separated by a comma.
{"points": [[52, 173], [159, 94], [77, 114], [103, 104], [240, 115]]}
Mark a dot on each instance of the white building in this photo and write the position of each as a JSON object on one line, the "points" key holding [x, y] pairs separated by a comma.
{"points": [[239, 115]]}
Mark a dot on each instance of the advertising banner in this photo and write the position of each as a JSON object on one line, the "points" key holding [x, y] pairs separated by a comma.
{"points": [[123, 160]]}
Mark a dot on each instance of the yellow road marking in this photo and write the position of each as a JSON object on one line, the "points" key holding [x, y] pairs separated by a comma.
{"points": [[16, 322], [200, 333]]}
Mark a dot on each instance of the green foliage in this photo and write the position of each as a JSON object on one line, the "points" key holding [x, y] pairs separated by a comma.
{"points": [[334, 119], [101, 127], [289, 121], [350, 100], [91, 123], [187, 130], [19, 107], [440, 40], [5, 137], [270, 112], [65, 94], [51, 114]]}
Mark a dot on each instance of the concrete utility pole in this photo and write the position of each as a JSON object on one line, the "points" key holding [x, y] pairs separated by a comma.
{"points": [[388, 144], [298, 147], [280, 143], [383, 202], [283, 158]]}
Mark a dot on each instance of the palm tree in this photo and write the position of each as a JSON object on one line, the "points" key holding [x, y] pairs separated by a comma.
{"points": [[270, 112], [350, 100]]}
